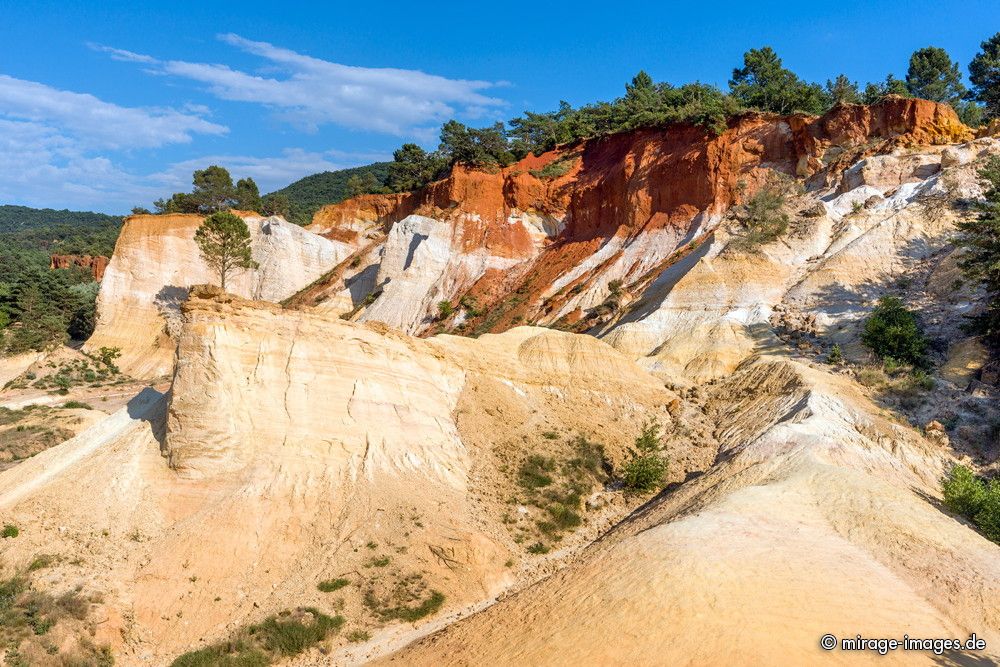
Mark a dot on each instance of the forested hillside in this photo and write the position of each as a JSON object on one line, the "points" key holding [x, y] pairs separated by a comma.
{"points": [[309, 194], [39, 307]]}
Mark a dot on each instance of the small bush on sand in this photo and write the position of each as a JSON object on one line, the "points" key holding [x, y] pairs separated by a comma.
{"points": [[646, 467], [280, 636], [331, 585], [536, 472]]}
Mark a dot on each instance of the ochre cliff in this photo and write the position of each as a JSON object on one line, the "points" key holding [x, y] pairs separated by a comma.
{"points": [[156, 260], [96, 263], [552, 223]]}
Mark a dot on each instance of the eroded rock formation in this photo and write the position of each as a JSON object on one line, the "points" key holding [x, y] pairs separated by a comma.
{"points": [[540, 241], [155, 262], [96, 263]]}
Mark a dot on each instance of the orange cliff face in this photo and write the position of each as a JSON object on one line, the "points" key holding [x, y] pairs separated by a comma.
{"points": [[97, 263], [596, 197]]}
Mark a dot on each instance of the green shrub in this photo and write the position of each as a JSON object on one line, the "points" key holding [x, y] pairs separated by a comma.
{"points": [[893, 332], [230, 654], [871, 376], [107, 356], [331, 585], [646, 467], [988, 516], [292, 636], [470, 305], [763, 218], [555, 169], [538, 548], [10, 530], [835, 356], [358, 636], [445, 309], [968, 495], [41, 561], [405, 613], [77, 405], [963, 491], [259, 645]]}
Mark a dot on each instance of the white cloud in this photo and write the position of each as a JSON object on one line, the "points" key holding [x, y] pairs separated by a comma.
{"points": [[44, 174], [51, 141], [315, 92], [94, 123]]}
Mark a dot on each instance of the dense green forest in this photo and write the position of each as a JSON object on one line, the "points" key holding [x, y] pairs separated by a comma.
{"points": [[309, 194], [39, 307]]}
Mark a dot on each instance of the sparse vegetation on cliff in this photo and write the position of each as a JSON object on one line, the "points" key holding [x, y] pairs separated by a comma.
{"points": [[763, 218], [284, 635]]}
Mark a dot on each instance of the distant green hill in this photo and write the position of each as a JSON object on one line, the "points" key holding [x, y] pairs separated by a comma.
{"points": [[309, 194], [63, 232]]}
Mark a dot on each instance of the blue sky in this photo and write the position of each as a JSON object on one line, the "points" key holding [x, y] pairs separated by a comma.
{"points": [[107, 105]]}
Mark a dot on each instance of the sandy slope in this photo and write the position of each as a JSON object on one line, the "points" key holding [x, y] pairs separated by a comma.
{"points": [[816, 520]]}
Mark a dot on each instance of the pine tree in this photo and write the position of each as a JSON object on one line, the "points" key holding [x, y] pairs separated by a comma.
{"points": [[224, 241], [933, 76], [248, 195], [981, 239], [984, 73]]}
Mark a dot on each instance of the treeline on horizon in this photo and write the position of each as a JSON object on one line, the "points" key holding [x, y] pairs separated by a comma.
{"points": [[762, 83]]}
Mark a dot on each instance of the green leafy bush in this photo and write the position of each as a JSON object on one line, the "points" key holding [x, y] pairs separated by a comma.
{"points": [[230, 654], [893, 332], [10, 530], [555, 169], [290, 636], [835, 356], [428, 606], [968, 495], [646, 467]]}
